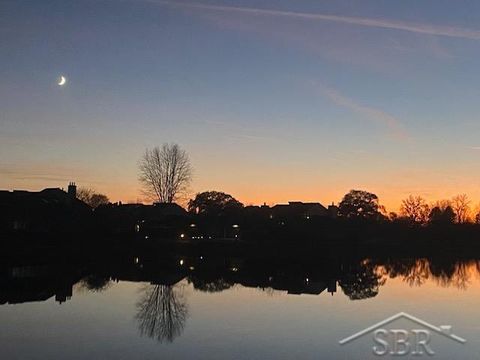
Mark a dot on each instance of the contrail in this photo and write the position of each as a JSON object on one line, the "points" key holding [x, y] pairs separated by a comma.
{"points": [[374, 114], [419, 28]]}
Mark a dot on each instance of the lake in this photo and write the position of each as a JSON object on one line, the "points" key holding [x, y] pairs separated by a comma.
{"points": [[196, 307]]}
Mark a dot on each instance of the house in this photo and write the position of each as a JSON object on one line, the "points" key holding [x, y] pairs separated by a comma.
{"points": [[333, 211], [298, 209], [161, 219], [166, 210], [49, 210]]}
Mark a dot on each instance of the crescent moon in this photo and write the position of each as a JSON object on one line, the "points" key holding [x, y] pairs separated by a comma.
{"points": [[62, 80]]}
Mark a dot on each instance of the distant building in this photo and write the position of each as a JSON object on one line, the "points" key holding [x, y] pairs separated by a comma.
{"points": [[166, 209], [166, 220], [333, 211], [297, 209], [49, 210]]}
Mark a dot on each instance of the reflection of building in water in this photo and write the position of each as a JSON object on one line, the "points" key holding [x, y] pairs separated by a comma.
{"points": [[296, 285], [35, 283], [220, 274], [357, 279], [206, 273], [213, 274]]}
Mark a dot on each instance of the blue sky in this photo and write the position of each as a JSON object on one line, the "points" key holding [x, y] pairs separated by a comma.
{"points": [[283, 100]]}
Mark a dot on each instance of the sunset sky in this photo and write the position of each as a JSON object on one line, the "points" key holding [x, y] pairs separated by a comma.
{"points": [[273, 100]]}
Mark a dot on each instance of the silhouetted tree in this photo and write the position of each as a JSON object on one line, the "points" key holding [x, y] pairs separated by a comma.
{"points": [[439, 216], [361, 282], [84, 194], [416, 209], [449, 214], [393, 216], [165, 173], [359, 204], [477, 218], [461, 208], [214, 203], [442, 204], [162, 312], [436, 215], [91, 197], [98, 199]]}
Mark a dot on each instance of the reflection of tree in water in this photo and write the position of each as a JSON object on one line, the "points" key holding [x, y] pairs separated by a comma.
{"points": [[462, 277], [270, 291], [451, 273], [162, 312], [443, 271], [209, 283], [361, 282], [417, 273], [96, 283], [414, 271]]}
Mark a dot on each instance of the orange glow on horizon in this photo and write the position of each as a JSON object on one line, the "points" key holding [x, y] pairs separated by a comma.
{"points": [[273, 190], [391, 201]]}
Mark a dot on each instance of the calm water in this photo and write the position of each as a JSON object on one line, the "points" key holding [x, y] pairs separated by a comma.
{"points": [[232, 312]]}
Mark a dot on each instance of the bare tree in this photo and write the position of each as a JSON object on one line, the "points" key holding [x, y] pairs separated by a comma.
{"points": [[91, 197], [98, 199], [84, 194], [477, 218], [165, 173], [461, 207], [416, 209]]}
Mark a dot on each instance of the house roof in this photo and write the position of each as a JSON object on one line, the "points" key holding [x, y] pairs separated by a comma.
{"points": [[51, 196], [170, 209], [300, 206]]}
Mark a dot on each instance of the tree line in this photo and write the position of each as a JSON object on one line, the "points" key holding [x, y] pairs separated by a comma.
{"points": [[458, 210], [165, 174]]}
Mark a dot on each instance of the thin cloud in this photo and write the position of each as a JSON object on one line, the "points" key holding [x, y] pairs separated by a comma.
{"points": [[379, 116], [43, 173], [474, 147], [419, 28], [231, 128]]}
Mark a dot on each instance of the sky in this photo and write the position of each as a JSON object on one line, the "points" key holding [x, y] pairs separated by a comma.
{"points": [[273, 100]]}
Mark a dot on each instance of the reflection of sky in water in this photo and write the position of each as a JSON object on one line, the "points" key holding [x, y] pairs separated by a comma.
{"points": [[236, 323]]}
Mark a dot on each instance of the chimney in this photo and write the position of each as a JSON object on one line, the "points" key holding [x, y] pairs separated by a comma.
{"points": [[72, 190]]}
